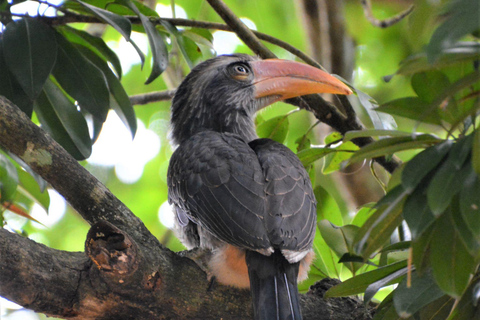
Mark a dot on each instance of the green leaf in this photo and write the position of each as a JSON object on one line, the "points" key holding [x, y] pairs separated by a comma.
{"points": [[8, 179], [96, 44], [461, 20], [421, 250], [360, 283], [61, 119], [119, 100], [427, 85], [334, 161], [30, 51], [340, 240], [325, 259], [452, 264], [11, 89], [424, 162], [467, 307], [179, 39], [350, 135], [379, 120], [373, 288], [310, 155], [448, 92], [449, 178], [470, 203], [476, 151], [81, 79], [119, 23], [438, 309], [417, 213], [275, 128], [30, 188], [379, 227], [461, 52], [327, 207], [156, 40], [423, 290], [412, 108], [389, 146], [468, 234]]}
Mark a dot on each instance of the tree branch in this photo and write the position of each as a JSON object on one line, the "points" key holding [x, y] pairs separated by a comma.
{"points": [[127, 273], [367, 10], [150, 97]]}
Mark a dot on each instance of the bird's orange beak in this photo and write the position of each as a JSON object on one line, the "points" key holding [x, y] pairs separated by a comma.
{"points": [[284, 79]]}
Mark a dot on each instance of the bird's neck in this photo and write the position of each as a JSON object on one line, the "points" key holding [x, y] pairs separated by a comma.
{"points": [[237, 122]]}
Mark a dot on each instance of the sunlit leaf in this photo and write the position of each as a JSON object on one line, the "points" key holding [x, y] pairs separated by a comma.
{"points": [[30, 51], [452, 264], [11, 89], [334, 161], [350, 135], [360, 283], [363, 214], [327, 207], [275, 128], [61, 119], [389, 146], [93, 43], [423, 290], [8, 179], [81, 79], [424, 162]]}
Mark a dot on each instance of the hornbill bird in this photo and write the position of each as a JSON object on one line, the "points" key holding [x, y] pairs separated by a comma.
{"points": [[247, 199]]}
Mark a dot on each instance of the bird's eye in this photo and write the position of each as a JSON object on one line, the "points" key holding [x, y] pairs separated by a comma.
{"points": [[241, 69], [239, 72]]}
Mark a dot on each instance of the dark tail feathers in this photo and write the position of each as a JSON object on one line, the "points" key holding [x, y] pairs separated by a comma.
{"points": [[273, 283]]}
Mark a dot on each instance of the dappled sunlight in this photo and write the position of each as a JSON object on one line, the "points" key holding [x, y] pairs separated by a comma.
{"points": [[166, 215], [115, 148], [56, 211]]}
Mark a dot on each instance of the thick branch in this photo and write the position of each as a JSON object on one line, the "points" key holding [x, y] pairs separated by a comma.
{"points": [[127, 274], [92, 200]]}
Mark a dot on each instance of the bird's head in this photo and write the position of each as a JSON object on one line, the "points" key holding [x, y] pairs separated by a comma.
{"points": [[222, 94]]}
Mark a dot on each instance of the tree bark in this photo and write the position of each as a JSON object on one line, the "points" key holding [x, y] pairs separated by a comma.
{"points": [[125, 273]]}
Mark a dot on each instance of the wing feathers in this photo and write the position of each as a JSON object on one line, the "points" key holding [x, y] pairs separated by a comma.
{"points": [[255, 195]]}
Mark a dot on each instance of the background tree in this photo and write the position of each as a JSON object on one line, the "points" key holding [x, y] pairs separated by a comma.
{"points": [[414, 224]]}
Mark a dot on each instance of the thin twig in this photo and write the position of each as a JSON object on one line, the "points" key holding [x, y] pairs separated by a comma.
{"points": [[367, 10], [242, 31], [146, 98]]}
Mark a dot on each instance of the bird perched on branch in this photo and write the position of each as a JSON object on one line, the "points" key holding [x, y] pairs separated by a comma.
{"points": [[249, 200]]}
